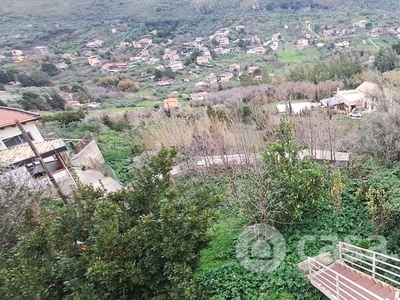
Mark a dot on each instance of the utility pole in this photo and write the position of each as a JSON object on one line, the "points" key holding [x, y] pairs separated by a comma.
{"points": [[43, 164]]}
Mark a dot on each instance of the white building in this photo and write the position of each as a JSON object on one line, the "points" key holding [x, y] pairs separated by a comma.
{"points": [[176, 66]]}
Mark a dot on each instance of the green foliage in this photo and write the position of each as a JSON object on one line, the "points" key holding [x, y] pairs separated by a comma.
{"points": [[386, 60], [49, 69], [301, 183], [32, 101], [118, 149], [396, 48], [216, 114], [337, 189], [222, 277], [167, 73], [133, 244], [36, 78], [379, 186], [6, 76], [54, 100], [247, 79], [66, 117], [90, 124], [193, 56], [246, 114], [164, 28], [340, 67], [128, 85], [108, 81], [284, 186], [119, 125]]}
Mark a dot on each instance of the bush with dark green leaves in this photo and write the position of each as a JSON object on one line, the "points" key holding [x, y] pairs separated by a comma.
{"points": [[50, 69], [66, 117], [37, 78], [339, 67], [140, 243], [386, 60], [33, 101], [46, 101]]}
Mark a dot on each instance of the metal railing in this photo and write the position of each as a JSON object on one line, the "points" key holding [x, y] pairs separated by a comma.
{"points": [[337, 285], [377, 265]]}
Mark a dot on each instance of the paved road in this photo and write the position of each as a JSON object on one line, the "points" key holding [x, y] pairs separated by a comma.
{"points": [[372, 42]]}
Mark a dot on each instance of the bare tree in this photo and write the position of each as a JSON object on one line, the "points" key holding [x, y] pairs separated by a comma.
{"points": [[253, 196], [319, 131]]}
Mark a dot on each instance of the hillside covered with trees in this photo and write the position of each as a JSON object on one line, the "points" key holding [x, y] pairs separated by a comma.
{"points": [[194, 106]]}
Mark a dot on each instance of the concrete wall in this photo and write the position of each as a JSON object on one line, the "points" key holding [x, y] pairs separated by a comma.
{"points": [[83, 143], [90, 157], [14, 131]]}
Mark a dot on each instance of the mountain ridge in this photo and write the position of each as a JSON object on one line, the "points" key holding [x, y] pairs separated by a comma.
{"points": [[151, 9]]}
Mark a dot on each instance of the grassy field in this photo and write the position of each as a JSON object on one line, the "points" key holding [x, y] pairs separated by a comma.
{"points": [[384, 42], [145, 103], [117, 110], [289, 54], [381, 42]]}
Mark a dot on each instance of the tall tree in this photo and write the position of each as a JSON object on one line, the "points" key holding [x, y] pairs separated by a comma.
{"points": [[49, 69], [33, 101], [282, 187], [386, 60], [37, 78], [143, 243], [54, 100]]}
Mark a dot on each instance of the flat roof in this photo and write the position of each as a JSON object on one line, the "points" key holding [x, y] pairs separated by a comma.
{"points": [[24, 154], [330, 101], [350, 97]]}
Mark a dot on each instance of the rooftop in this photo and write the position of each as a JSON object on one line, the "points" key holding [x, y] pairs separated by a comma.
{"points": [[330, 101], [9, 116], [171, 100], [370, 88], [350, 97], [24, 154]]}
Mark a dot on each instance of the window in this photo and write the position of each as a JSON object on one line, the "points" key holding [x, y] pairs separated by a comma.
{"points": [[16, 140]]}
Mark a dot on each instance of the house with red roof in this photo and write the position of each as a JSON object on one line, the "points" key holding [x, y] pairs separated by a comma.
{"points": [[10, 135], [14, 148], [17, 155], [23, 165]]}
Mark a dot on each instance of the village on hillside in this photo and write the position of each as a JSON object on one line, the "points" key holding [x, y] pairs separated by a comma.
{"points": [[183, 69]]}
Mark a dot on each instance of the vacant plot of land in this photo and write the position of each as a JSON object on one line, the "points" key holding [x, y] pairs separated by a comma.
{"points": [[289, 54]]}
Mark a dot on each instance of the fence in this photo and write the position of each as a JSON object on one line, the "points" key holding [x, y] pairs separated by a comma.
{"points": [[379, 266], [337, 286]]}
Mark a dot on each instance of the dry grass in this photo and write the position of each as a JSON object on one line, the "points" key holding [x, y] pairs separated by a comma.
{"points": [[202, 135]]}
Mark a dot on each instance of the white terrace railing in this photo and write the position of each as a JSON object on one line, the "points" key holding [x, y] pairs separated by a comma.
{"points": [[379, 266], [339, 286]]}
